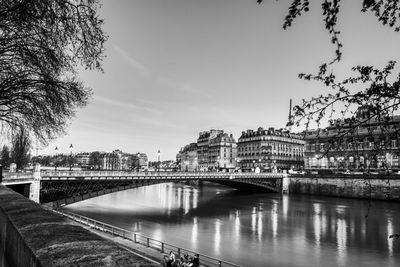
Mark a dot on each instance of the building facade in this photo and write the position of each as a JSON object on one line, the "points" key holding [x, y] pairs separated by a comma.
{"points": [[140, 161], [118, 160], [203, 146], [222, 152], [344, 147], [270, 150], [188, 158], [83, 159]]}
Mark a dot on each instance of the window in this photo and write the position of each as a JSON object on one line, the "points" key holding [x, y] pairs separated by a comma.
{"points": [[394, 143], [321, 147], [312, 147]]}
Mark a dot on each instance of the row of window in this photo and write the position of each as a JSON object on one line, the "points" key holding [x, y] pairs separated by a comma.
{"points": [[321, 147]]}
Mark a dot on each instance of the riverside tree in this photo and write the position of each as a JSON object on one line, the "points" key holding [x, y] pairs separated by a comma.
{"points": [[21, 145], [42, 43], [5, 156], [373, 90]]}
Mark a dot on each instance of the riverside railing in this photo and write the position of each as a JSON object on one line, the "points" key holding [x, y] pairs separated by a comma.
{"points": [[162, 247]]}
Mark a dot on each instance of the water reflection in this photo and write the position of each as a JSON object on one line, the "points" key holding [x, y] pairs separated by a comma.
{"points": [[252, 229], [341, 236], [259, 226], [274, 218], [253, 220], [317, 224], [237, 228], [217, 237], [195, 231], [390, 232]]}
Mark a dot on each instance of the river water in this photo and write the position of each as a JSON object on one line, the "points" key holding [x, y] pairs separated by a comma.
{"points": [[256, 229]]}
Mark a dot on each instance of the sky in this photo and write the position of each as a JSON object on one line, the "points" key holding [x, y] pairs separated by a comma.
{"points": [[174, 68]]}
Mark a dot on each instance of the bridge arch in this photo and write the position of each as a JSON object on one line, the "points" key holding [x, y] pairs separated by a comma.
{"points": [[59, 189]]}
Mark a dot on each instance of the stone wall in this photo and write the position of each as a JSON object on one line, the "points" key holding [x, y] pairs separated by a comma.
{"points": [[33, 236], [379, 187]]}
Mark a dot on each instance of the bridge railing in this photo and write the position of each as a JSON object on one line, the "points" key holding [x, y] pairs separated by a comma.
{"points": [[17, 176], [205, 175], [146, 241]]}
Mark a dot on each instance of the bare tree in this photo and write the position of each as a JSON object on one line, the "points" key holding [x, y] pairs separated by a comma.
{"points": [[5, 156], [41, 45], [361, 108], [21, 145]]}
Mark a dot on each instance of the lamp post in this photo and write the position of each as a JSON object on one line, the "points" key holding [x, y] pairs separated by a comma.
{"points": [[253, 169], [195, 164], [218, 163], [56, 157], [138, 161], [1, 173], [158, 165], [71, 147]]}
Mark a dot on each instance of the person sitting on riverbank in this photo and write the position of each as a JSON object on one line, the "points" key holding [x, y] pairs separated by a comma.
{"points": [[192, 262], [170, 259], [196, 261]]}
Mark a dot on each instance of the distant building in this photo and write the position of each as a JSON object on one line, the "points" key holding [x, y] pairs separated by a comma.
{"points": [[222, 152], [270, 150], [203, 141], [118, 160], [83, 159], [368, 146], [188, 158], [140, 161]]}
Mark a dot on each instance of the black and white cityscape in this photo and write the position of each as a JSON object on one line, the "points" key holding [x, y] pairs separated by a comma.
{"points": [[199, 133]]}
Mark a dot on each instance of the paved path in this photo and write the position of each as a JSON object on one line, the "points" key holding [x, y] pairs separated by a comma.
{"points": [[151, 255]]}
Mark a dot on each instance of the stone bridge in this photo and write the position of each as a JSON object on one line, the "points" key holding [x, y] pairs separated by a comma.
{"points": [[60, 188]]}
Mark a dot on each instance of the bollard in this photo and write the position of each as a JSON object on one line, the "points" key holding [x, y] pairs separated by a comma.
{"points": [[1, 173], [162, 247]]}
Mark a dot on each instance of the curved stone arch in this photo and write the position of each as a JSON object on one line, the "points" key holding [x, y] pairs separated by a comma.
{"points": [[83, 191]]}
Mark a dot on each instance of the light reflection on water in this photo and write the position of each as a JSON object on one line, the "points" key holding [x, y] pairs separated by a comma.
{"points": [[255, 229]]}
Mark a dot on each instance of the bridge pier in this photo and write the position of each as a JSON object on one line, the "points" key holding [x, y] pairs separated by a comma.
{"points": [[34, 189]]}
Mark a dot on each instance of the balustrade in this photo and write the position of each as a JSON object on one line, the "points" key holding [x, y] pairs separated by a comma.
{"points": [[143, 240]]}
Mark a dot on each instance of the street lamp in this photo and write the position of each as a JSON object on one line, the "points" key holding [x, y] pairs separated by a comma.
{"points": [[158, 165], [195, 164], [1, 173], [70, 157], [238, 164], [138, 161], [218, 163], [253, 169], [55, 164]]}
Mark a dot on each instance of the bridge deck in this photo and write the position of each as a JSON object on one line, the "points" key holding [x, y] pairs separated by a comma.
{"points": [[155, 175], [12, 178]]}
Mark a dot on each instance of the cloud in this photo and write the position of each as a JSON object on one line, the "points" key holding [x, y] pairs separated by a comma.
{"points": [[139, 67], [117, 103], [161, 80], [183, 87]]}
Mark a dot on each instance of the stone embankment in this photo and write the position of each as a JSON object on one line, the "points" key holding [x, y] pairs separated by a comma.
{"points": [[365, 186], [33, 236]]}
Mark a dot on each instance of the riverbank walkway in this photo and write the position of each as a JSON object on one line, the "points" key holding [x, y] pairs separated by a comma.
{"points": [[148, 248]]}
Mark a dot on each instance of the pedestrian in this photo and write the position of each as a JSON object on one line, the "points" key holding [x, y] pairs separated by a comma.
{"points": [[196, 261]]}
